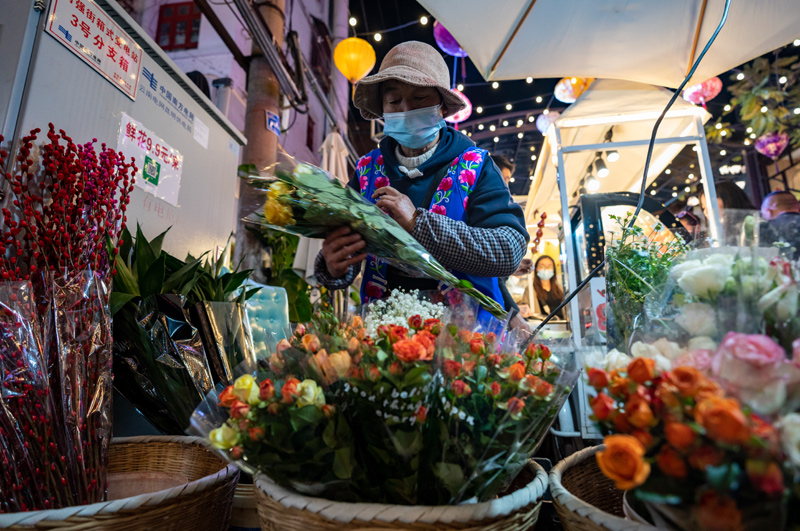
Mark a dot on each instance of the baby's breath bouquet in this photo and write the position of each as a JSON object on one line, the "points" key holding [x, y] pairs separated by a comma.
{"points": [[307, 201], [398, 308]]}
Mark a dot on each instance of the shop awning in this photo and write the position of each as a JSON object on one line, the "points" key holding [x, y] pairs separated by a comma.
{"points": [[648, 41]]}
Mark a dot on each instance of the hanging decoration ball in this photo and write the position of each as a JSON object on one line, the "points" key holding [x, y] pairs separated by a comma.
{"points": [[543, 121], [570, 88], [464, 113], [772, 144], [354, 58], [447, 42], [703, 92]]}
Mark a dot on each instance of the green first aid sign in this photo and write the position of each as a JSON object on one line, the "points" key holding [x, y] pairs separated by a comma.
{"points": [[151, 170]]}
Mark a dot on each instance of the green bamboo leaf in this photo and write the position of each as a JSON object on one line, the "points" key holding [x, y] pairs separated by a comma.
{"points": [[157, 243], [144, 254], [153, 279], [117, 300]]}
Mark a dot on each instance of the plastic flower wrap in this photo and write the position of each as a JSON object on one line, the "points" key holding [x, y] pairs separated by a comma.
{"points": [[307, 201], [687, 448], [496, 400]]}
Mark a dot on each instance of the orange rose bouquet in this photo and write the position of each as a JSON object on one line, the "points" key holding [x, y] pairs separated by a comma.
{"points": [[692, 454], [495, 394]]}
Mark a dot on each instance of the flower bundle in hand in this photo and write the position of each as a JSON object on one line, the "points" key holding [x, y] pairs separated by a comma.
{"points": [[60, 214], [307, 201]]}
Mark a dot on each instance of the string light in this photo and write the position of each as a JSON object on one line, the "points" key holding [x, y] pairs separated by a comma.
{"points": [[511, 180], [674, 194], [783, 80], [718, 126], [538, 99], [668, 171], [495, 85], [529, 80], [519, 123], [574, 80], [460, 87], [533, 157], [505, 123], [508, 106], [691, 176], [727, 108], [353, 21], [749, 129], [533, 148], [546, 111], [378, 37], [652, 192], [764, 108], [796, 42], [723, 152], [532, 119], [752, 135], [492, 127], [520, 135], [480, 127], [797, 110], [531, 177], [496, 139], [723, 133], [740, 76], [687, 189], [423, 20], [746, 142], [479, 110]]}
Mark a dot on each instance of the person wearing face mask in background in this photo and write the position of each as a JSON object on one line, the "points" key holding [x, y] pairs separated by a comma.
{"points": [[545, 285], [431, 179]]}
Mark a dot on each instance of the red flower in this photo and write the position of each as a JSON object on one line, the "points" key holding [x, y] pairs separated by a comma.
{"points": [[266, 389], [477, 346], [237, 452], [239, 409], [395, 368], [373, 373], [642, 370], [226, 397], [680, 436], [428, 341], [396, 333], [766, 477], [421, 414], [289, 390], [598, 378], [515, 405], [644, 437], [460, 388], [434, 326], [415, 322], [494, 389], [381, 182], [328, 410], [543, 389], [379, 160], [374, 291], [491, 337], [451, 368], [446, 184], [602, 406], [363, 162], [516, 372], [492, 360], [671, 463], [256, 433], [469, 366], [472, 156], [467, 177], [408, 351]]}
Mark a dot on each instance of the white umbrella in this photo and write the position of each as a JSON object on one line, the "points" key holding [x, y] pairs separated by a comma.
{"points": [[647, 41], [334, 161]]}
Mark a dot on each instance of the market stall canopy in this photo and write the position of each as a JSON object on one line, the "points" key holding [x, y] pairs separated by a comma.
{"points": [[647, 41], [628, 111]]}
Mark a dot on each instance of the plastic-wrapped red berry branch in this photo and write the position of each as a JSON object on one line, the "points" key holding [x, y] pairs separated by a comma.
{"points": [[64, 203]]}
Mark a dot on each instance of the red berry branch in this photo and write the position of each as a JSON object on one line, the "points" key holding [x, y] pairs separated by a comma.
{"points": [[65, 201]]}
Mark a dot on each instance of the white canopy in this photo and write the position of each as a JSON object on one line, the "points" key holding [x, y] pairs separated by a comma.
{"points": [[629, 110], [648, 41]]}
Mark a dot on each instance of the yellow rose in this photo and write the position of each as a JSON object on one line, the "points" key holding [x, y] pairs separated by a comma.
{"points": [[224, 437], [277, 214], [246, 388], [278, 189], [340, 361], [309, 393]]}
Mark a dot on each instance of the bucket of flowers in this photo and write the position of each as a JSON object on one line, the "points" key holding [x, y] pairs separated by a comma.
{"points": [[362, 419]]}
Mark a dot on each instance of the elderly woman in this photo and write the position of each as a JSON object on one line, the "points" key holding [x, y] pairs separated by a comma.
{"points": [[431, 179]]}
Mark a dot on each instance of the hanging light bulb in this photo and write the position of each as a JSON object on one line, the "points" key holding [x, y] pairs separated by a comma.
{"points": [[538, 99], [520, 135], [492, 127], [353, 21], [783, 80], [508, 106], [496, 139], [740, 76], [727, 108], [505, 123], [531, 119], [480, 127], [723, 133], [653, 192], [546, 111], [601, 168], [723, 152], [512, 180], [495, 85], [718, 126], [668, 171], [479, 110], [378, 37], [460, 87], [612, 156], [592, 184], [519, 123], [423, 20], [529, 80], [533, 157]]}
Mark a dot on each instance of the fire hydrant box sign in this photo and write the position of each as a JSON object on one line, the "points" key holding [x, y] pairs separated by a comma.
{"points": [[86, 30], [158, 165]]}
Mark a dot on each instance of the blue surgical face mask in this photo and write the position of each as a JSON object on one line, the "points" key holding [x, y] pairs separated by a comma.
{"points": [[545, 274], [414, 129]]}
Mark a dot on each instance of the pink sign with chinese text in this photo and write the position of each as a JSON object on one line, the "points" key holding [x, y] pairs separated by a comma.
{"points": [[88, 32], [158, 165]]}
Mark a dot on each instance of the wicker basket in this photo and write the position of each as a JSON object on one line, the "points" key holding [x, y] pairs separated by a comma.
{"points": [[204, 503], [585, 499], [284, 510]]}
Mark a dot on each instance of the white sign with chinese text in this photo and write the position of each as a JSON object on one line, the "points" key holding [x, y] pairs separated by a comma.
{"points": [[88, 32], [158, 166]]}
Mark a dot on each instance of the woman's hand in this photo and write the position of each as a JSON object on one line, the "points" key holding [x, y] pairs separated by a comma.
{"points": [[397, 205], [338, 250]]}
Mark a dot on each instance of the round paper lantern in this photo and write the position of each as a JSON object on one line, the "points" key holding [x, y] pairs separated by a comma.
{"points": [[543, 121], [354, 58], [464, 113], [702, 92], [772, 144], [570, 88], [447, 42]]}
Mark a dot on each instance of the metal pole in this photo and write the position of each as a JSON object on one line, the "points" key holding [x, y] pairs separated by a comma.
{"points": [[569, 243], [707, 175]]}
